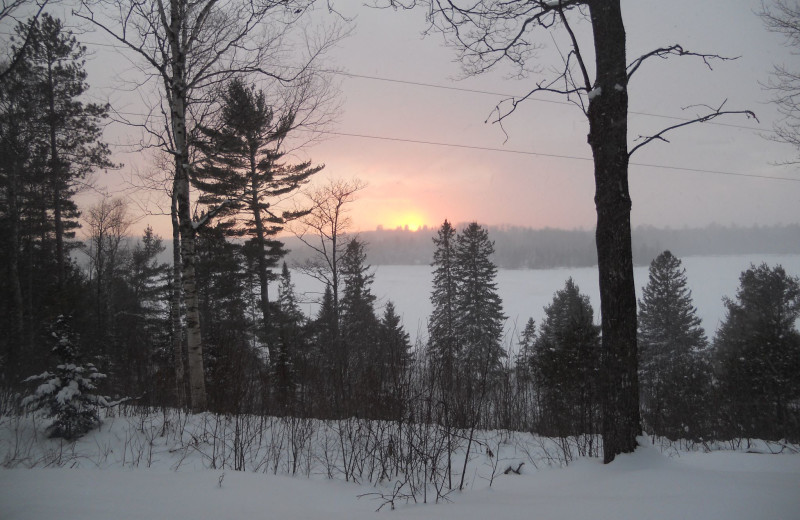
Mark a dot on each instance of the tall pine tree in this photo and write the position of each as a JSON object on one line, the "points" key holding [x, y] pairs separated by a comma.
{"points": [[567, 365], [443, 339], [479, 309], [244, 176], [757, 350], [674, 370]]}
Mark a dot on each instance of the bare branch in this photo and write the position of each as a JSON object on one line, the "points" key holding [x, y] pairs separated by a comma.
{"points": [[715, 113], [674, 50]]}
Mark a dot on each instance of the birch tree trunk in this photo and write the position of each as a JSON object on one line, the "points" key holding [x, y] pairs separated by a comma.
{"points": [[175, 304], [176, 90]]}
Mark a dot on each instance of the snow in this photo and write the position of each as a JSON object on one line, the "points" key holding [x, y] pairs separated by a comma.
{"points": [[648, 484], [595, 92]]}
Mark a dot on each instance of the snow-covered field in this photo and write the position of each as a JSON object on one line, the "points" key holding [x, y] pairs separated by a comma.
{"points": [[124, 472], [526, 292]]}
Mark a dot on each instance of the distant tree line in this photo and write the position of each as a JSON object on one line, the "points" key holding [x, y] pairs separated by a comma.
{"points": [[518, 247]]}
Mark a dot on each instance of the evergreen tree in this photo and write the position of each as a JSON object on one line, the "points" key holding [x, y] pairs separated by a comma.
{"points": [[326, 365], [479, 309], [758, 355], [443, 339], [289, 356], [674, 371], [359, 330], [142, 324], [567, 363], [527, 343], [236, 367], [394, 349], [243, 175], [70, 129], [49, 142], [66, 394]]}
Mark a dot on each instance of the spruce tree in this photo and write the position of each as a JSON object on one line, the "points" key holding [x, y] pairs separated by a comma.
{"points": [[67, 394], [289, 356], [359, 330], [674, 370], [567, 364], [757, 350], [479, 309], [394, 350], [443, 339]]}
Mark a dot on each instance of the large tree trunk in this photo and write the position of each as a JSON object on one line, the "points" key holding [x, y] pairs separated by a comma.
{"points": [[177, 95], [608, 114], [175, 306], [263, 271]]}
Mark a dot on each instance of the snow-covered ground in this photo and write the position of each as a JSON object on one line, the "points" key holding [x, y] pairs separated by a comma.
{"points": [[645, 485], [132, 469], [525, 293]]}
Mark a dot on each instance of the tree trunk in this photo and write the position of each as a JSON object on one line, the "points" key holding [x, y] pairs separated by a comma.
{"points": [[55, 172], [608, 114], [175, 306], [177, 95], [263, 274], [17, 323]]}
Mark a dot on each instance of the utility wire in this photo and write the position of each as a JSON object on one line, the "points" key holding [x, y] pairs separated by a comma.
{"points": [[504, 150], [557, 156], [479, 91]]}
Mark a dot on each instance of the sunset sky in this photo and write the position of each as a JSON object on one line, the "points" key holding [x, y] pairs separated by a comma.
{"points": [[538, 173]]}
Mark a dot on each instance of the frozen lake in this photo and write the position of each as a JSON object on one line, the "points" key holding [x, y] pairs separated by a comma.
{"points": [[525, 293]]}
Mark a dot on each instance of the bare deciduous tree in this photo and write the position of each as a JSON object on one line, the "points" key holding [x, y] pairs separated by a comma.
{"points": [[492, 33], [783, 17], [324, 230]]}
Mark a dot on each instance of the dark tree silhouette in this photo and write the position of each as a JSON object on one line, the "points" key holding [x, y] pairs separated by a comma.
{"points": [[757, 351], [674, 369]]}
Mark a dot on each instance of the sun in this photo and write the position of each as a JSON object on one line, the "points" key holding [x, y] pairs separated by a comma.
{"points": [[411, 220]]}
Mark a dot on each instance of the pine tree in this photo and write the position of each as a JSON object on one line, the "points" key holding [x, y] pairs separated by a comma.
{"points": [[359, 330], [757, 350], [525, 357], [479, 309], [567, 363], [289, 356], [327, 365], [235, 365], [71, 129], [243, 175], [674, 371], [394, 348], [67, 394], [443, 339]]}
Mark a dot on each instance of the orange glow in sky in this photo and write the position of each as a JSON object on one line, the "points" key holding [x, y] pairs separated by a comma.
{"points": [[414, 219]]}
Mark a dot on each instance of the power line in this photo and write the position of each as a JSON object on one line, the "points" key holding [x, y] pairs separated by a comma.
{"points": [[557, 156], [539, 100], [422, 84], [504, 150]]}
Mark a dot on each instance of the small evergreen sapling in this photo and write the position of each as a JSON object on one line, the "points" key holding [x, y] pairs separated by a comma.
{"points": [[66, 394]]}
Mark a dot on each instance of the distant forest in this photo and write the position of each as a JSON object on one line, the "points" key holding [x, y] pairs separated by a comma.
{"points": [[527, 248]]}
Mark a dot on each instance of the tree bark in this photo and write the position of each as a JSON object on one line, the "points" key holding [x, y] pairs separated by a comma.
{"points": [[55, 172], [175, 303], [608, 111], [177, 93], [263, 271]]}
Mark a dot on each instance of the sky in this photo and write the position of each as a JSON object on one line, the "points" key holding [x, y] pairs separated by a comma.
{"points": [[537, 172]]}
